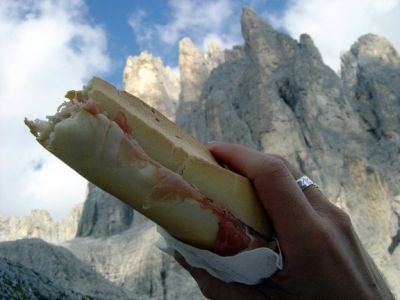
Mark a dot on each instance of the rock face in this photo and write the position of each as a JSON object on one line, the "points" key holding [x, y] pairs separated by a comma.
{"points": [[39, 224], [273, 94], [371, 75], [146, 77], [103, 215], [58, 264], [20, 282], [132, 261], [195, 68]]}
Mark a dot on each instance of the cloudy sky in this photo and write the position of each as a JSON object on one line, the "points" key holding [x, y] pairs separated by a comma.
{"points": [[48, 47]]}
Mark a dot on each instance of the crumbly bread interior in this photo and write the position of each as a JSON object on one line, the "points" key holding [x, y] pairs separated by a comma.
{"points": [[177, 150]]}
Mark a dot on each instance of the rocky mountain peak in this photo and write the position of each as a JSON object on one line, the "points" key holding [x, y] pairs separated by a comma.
{"points": [[270, 48], [146, 77], [251, 21], [371, 47], [214, 52], [195, 67], [103, 215], [39, 214], [263, 44], [308, 47], [371, 74], [39, 224]]}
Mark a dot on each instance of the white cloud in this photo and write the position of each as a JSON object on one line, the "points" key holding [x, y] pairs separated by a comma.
{"points": [[335, 25], [195, 18], [47, 47], [200, 20], [142, 33]]}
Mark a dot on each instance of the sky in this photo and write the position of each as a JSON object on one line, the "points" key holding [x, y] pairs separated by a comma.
{"points": [[48, 47]]}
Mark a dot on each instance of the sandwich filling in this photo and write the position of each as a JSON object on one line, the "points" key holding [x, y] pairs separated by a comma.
{"points": [[166, 186]]}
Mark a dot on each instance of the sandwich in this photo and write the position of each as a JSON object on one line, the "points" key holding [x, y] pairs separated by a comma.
{"points": [[133, 152]]}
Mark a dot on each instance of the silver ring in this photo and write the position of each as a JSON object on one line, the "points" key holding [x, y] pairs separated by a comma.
{"points": [[305, 182]]}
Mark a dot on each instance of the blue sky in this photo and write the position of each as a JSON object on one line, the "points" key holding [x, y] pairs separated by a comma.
{"points": [[114, 18], [50, 46]]}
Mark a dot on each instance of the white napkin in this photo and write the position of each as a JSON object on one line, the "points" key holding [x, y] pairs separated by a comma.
{"points": [[248, 267]]}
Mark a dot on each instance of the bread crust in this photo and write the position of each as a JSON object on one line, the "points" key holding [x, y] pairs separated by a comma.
{"points": [[125, 175], [180, 152]]}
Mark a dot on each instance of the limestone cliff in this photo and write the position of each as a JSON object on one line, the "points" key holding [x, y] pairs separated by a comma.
{"points": [[371, 75], [146, 77], [132, 261], [39, 224], [54, 268], [103, 215], [195, 68], [20, 282]]}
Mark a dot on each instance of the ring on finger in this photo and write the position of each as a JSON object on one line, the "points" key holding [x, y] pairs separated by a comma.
{"points": [[304, 182]]}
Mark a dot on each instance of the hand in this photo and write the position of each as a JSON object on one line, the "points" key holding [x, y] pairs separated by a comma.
{"points": [[323, 257]]}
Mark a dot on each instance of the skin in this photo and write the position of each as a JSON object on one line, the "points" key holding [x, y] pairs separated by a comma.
{"points": [[323, 256]]}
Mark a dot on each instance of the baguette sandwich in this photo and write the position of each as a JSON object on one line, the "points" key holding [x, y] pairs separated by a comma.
{"points": [[133, 152]]}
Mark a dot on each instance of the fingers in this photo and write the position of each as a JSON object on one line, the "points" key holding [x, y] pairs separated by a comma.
{"points": [[276, 187], [316, 198], [205, 281], [295, 173]]}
